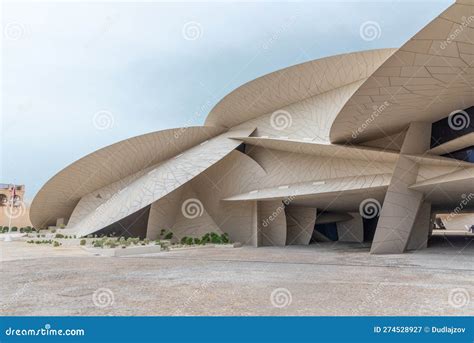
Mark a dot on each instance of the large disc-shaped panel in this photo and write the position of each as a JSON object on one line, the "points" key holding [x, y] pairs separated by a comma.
{"points": [[60, 195]]}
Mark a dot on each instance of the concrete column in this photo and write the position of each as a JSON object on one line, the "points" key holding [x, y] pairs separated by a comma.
{"points": [[401, 204], [272, 223], [351, 230], [256, 239], [300, 224], [421, 228]]}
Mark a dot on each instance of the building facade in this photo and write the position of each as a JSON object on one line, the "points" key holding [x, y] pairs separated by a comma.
{"points": [[365, 146], [13, 207]]}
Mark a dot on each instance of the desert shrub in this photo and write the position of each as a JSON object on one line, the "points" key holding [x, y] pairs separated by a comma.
{"points": [[206, 238], [112, 245], [225, 238], [215, 238], [164, 246], [60, 235], [82, 242], [56, 244], [98, 244]]}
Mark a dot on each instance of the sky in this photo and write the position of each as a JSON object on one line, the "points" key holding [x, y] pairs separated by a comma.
{"points": [[78, 76]]}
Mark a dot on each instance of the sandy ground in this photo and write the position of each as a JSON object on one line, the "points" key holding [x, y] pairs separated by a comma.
{"points": [[324, 279]]}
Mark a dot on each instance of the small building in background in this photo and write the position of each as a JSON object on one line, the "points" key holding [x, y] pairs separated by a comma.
{"points": [[14, 206]]}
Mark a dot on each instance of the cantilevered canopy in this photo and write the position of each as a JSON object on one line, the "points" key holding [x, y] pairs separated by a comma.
{"points": [[286, 86], [159, 182], [425, 80], [58, 197]]}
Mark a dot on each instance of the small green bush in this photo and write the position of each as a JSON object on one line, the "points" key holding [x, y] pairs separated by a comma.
{"points": [[189, 241], [82, 242], [14, 229], [169, 235], [56, 244], [225, 238], [184, 239], [197, 241], [215, 238], [98, 244], [60, 235], [53, 230]]}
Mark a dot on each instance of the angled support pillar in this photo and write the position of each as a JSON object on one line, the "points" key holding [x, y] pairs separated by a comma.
{"points": [[271, 223], [421, 229], [402, 204], [300, 224]]}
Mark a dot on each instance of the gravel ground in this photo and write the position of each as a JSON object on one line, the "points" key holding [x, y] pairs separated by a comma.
{"points": [[323, 279]]}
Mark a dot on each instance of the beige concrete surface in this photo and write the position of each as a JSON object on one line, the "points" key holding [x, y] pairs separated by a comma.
{"points": [[323, 279]]}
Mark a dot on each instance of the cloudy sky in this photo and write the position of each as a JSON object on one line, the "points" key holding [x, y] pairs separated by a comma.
{"points": [[80, 76]]}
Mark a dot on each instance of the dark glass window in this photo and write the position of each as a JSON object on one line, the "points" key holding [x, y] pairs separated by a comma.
{"points": [[466, 154], [455, 125]]}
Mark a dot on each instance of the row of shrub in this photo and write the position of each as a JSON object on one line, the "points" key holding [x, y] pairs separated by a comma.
{"points": [[210, 237], [45, 241], [114, 242], [26, 229], [60, 235], [109, 242]]}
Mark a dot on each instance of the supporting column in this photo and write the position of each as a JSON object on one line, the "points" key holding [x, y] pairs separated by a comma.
{"points": [[351, 230], [300, 224], [421, 229], [272, 223], [256, 237], [401, 204]]}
